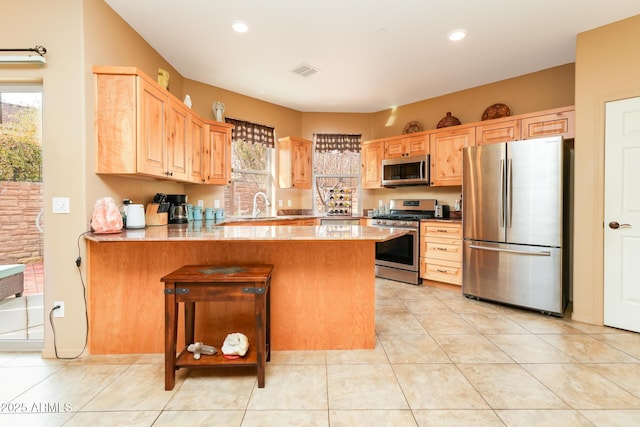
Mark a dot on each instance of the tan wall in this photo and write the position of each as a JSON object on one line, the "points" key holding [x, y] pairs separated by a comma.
{"points": [[607, 69], [538, 91]]}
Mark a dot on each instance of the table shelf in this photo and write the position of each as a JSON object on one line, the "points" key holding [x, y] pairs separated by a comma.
{"points": [[186, 359]]}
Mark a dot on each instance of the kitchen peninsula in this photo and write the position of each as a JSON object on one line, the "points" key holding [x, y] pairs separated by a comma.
{"points": [[322, 287]]}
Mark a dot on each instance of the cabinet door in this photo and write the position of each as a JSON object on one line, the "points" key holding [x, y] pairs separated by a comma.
{"points": [[492, 133], [558, 122], [218, 156], [178, 141], [372, 155], [417, 145], [152, 130], [446, 155], [116, 123], [406, 146], [301, 170], [197, 141], [394, 148]]}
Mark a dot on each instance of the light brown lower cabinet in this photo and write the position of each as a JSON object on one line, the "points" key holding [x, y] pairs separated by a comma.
{"points": [[441, 251]]}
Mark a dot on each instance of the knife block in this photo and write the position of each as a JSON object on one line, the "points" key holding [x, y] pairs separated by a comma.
{"points": [[152, 217]]}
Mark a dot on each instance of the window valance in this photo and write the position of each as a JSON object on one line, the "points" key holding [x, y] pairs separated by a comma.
{"points": [[340, 142], [252, 132]]}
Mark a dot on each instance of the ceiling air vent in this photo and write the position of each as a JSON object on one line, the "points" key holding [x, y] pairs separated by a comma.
{"points": [[305, 70]]}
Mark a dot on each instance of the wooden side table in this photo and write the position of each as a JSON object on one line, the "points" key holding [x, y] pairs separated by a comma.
{"points": [[206, 283]]}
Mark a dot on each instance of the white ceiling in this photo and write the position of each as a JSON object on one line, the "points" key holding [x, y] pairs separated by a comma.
{"points": [[363, 68]]}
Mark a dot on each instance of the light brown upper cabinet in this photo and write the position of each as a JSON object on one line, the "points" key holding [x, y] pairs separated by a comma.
{"points": [[445, 144], [406, 146], [142, 129], [372, 153], [294, 162], [217, 154], [179, 140], [446, 154], [197, 135], [559, 121], [498, 130]]}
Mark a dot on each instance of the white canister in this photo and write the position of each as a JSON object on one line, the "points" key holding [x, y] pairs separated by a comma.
{"points": [[135, 216]]}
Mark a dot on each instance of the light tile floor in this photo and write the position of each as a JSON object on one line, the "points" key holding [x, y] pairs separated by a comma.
{"points": [[440, 360]]}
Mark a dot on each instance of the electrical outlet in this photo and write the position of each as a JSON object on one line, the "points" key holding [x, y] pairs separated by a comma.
{"points": [[58, 312], [201, 203], [61, 205], [289, 203], [279, 203]]}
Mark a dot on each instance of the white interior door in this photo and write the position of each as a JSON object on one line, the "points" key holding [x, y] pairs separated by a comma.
{"points": [[622, 215]]}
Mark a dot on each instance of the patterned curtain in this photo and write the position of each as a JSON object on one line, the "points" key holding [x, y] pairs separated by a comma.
{"points": [[252, 132], [340, 142]]}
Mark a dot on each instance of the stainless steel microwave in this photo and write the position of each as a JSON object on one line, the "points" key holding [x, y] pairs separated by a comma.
{"points": [[412, 170]]}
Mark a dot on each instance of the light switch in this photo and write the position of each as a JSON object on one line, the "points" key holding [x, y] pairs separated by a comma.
{"points": [[61, 205]]}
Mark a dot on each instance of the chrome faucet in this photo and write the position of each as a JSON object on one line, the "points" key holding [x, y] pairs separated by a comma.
{"points": [[256, 211]]}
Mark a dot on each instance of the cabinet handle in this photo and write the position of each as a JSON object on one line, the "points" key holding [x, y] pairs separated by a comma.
{"points": [[441, 230], [439, 270], [442, 249]]}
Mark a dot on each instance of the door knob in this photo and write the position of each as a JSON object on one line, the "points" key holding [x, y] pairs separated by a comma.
{"points": [[615, 225]]}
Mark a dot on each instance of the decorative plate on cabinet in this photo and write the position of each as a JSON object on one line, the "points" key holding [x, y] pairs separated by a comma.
{"points": [[496, 111], [413, 126]]}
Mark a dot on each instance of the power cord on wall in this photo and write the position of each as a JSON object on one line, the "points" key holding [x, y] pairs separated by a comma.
{"points": [[86, 314]]}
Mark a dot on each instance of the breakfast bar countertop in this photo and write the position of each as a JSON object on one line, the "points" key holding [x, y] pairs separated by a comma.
{"points": [[194, 232]]}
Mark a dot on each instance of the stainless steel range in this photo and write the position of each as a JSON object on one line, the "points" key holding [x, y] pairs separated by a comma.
{"points": [[399, 258]]}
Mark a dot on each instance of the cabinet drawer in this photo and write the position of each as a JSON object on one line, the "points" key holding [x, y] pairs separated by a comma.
{"points": [[441, 229], [441, 271], [442, 249]]}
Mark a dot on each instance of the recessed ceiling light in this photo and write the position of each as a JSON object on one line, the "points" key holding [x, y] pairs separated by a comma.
{"points": [[239, 27], [456, 35]]}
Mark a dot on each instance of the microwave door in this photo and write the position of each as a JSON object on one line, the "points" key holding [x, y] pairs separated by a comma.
{"points": [[406, 171]]}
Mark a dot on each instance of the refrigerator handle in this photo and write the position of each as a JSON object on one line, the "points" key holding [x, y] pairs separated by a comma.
{"points": [[509, 195], [511, 251], [502, 193]]}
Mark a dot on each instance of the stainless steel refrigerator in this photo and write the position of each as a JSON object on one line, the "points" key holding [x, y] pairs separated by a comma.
{"points": [[516, 223]]}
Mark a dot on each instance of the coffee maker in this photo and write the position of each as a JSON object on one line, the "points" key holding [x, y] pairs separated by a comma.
{"points": [[177, 208]]}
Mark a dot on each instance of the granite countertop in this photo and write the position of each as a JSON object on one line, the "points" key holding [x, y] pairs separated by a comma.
{"points": [[209, 230]]}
